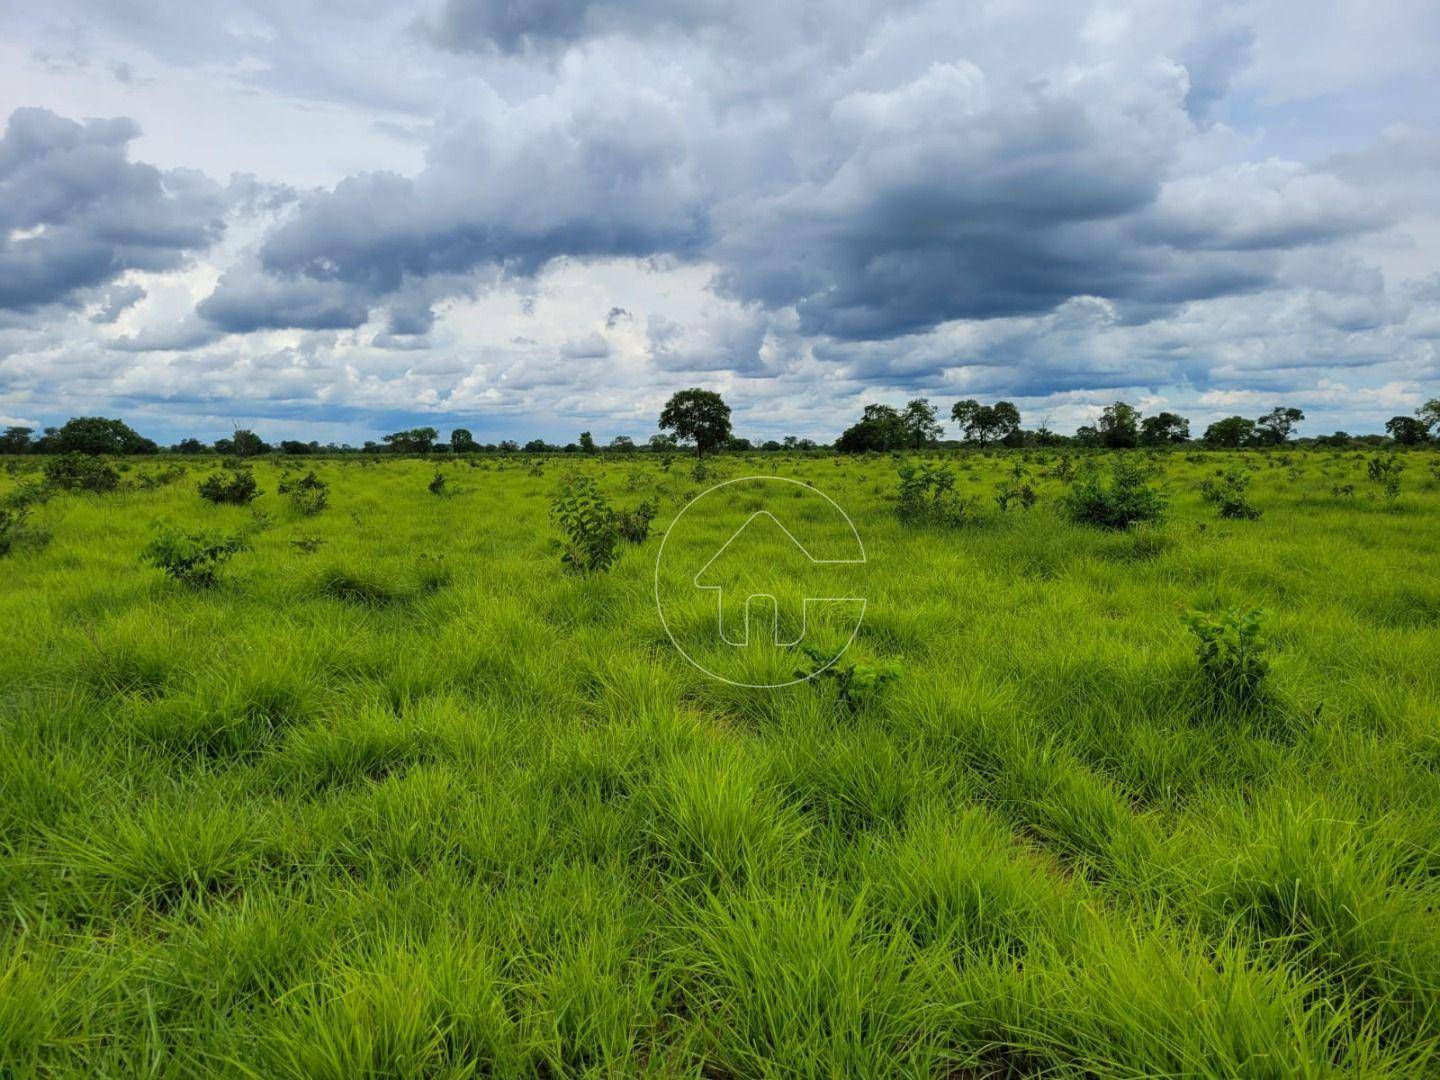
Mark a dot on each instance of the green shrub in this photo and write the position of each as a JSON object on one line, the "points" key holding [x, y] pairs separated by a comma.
{"points": [[927, 496], [1128, 500], [149, 481], [1231, 650], [437, 485], [26, 494], [1384, 472], [1226, 491], [634, 525], [1016, 490], [587, 521], [81, 472], [855, 683], [308, 496], [12, 527], [234, 489], [192, 558]]}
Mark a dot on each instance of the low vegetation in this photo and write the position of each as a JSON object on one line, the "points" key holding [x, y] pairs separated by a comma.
{"points": [[1117, 784]]}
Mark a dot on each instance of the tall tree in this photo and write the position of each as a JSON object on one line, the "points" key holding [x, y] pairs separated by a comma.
{"points": [[1429, 413], [1163, 428], [16, 440], [921, 426], [462, 441], [587, 442], [881, 427], [1119, 426], [985, 423], [245, 443], [1231, 432], [698, 416], [1407, 430], [418, 440], [95, 435], [1275, 427]]}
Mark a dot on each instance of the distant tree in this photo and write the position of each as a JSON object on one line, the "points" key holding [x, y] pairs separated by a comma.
{"points": [[1087, 435], [587, 442], [16, 440], [414, 441], [508, 446], [661, 443], [188, 446], [245, 443], [462, 442], [737, 445], [1119, 426], [538, 446], [1407, 430], [1275, 427], [804, 444], [1337, 441], [1164, 428], [921, 426], [622, 444], [1429, 413], [881, 427], [1231, 432], [770, 445], [698, 416], [295, 446], [985, 423], [95, 435]]}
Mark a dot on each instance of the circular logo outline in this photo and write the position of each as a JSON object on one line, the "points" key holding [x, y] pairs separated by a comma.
{"points": [[660, 607]]}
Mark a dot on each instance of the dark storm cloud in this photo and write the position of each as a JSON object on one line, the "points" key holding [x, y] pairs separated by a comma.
{"points": [[507, 191], [76, 213], [950, 194]]}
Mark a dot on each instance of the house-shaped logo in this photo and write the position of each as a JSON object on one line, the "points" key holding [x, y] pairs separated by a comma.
{"points": [[738, 576], [758, 576]]}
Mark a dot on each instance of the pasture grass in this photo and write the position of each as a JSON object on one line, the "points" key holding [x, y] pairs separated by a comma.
{"points": [[399, 797]]}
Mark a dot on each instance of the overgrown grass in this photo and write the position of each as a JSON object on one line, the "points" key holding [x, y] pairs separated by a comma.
{"points": [[397, 795]]}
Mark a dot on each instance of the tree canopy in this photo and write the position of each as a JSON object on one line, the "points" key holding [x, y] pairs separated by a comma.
{"points": [[697, 416], [985, 423]]}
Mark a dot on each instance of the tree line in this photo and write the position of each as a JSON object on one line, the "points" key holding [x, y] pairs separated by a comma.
{"points": [[699, 420]]}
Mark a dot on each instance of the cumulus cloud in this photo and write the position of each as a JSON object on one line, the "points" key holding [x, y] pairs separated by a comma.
{"points": [[117, 301], [76, 213], [826, 203]]}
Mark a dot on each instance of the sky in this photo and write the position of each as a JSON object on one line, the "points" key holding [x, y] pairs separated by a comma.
{"points": [[330, 220]]}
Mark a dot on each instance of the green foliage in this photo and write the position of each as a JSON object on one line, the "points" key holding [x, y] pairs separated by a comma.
{"points": [[235, 488], [12, 527], [1384, 472], [985, 423], [588, 523], [857, 683], [1015, 490], [95, 435], [308, 495], [1227, 491], [697, 416], [192, 557], [437, 485], [926, 496], [634, 525], [81, 472], [1126, 501], [1231, 649]]}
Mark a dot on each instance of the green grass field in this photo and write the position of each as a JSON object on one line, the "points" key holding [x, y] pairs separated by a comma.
{"points": [[405, 798]]}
